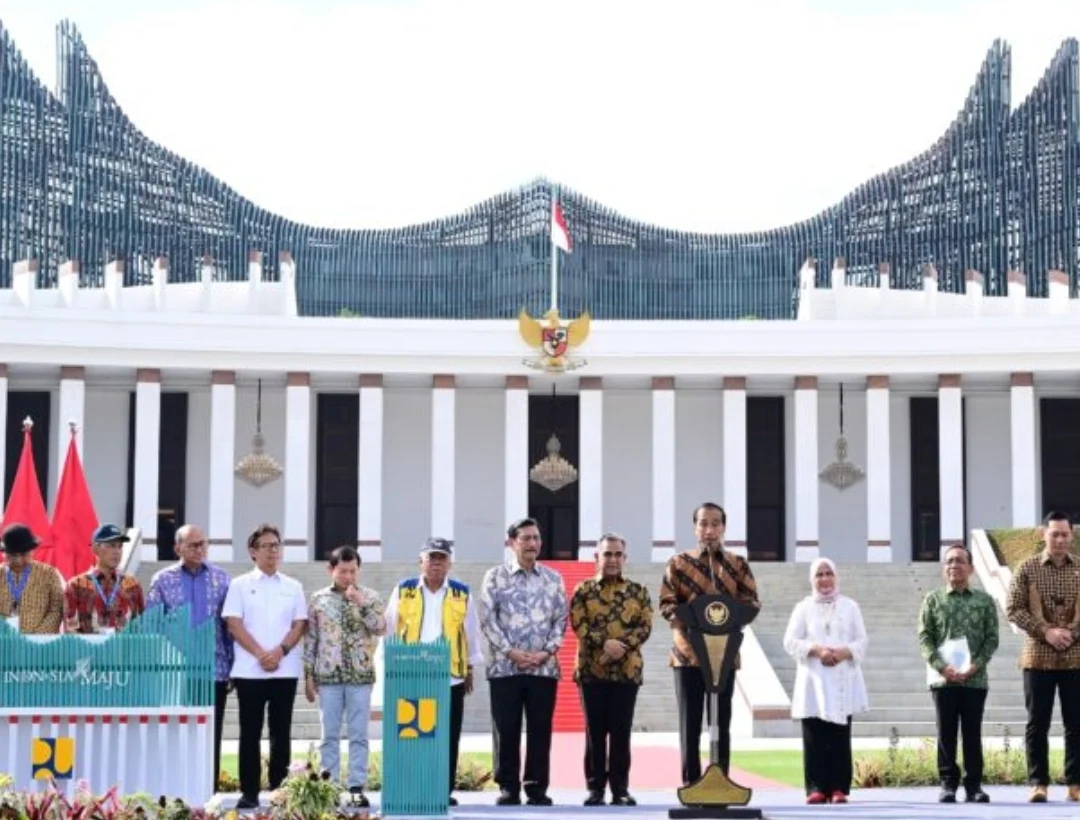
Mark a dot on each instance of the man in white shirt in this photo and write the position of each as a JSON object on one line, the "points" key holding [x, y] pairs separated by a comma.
{"points": [[432, 606], [266, 614]]}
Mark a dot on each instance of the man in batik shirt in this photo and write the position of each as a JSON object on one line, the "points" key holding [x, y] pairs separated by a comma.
{"points": [[103, 600], [1044, 601], [523, 618], [612, 618], [345, 621], [31, 593], [706, 570], [200, 586]]}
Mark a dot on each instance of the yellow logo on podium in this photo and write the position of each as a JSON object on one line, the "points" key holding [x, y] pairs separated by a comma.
{"points": [[52, 758], [416, 717]]}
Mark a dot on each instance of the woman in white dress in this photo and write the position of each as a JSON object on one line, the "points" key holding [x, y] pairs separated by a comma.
{"points": [[827, 639]]}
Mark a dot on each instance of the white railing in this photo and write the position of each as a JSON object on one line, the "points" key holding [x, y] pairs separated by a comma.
{"points": [[759, 694], [994, 576], [132, 555]]}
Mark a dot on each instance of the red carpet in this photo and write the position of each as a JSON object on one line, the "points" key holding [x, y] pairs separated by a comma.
{"points": [[651, 767], [568, 714]]}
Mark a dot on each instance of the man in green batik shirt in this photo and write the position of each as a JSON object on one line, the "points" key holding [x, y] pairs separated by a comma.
{"points": [[952, 612]]}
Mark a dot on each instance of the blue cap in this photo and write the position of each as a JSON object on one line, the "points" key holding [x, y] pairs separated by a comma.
{"points": [[438, 545], [108, 533]]}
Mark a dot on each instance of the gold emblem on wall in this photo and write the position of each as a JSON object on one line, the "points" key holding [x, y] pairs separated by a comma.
{"points": [[553, 340]]}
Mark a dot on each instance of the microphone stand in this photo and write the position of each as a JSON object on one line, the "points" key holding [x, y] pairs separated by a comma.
{"points": [[714, 697]]}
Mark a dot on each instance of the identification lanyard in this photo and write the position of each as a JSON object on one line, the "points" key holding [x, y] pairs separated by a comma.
{"points": [[112, 595], [17, 589]]}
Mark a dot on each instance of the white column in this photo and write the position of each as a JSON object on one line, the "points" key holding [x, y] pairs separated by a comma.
{"points": [[297, 476], [1025, 506], [590, 465], [951, 460], [807, 547], [222, 463], [663, 468], [516, 460], [71, 408], [3, 432], [734, 486], [147, 454], [370, 461], [878, 472], [443, 461]]}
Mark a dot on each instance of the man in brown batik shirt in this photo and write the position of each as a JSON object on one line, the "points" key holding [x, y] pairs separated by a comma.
{"points": [[1044, 602], [31, 593], [687, 576]]}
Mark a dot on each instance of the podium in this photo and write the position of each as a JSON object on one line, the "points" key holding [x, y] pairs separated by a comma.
{"points": [[714, 624], [134, 709]]}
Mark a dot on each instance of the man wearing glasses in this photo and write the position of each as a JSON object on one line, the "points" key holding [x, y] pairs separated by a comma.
{"points": [[201, 587], [267, 615], [612, 618]]}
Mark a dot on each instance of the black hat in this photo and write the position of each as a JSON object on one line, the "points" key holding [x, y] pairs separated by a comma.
{"points": [[109, 534], [18, 540], [438, 545]]}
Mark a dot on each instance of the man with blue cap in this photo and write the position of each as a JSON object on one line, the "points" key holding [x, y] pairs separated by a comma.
{"points": [[104, 599]]}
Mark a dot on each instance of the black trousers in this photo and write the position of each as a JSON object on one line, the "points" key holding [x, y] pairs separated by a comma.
{"points": [[609, 718], [273, 699], [959, 707], [509, 698], [457, 715], [827, 766], [1039, 689], [690, 697], [221, 694]]}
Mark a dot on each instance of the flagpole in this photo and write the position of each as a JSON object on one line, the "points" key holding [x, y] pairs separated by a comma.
{"points": [[554, 253]]}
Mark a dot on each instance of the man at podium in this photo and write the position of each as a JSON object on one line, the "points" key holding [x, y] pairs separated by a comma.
{"points": [[702, 571]]}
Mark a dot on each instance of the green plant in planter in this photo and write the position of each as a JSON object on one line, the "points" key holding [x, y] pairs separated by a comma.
{"points": [[307, 793]]}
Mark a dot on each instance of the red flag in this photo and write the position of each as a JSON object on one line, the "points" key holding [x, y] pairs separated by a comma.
{"points": [[74, 519], [25, 504], [560, 233]]}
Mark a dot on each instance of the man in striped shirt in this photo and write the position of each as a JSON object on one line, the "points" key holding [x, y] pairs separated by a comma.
{"points": [[704, 571]]}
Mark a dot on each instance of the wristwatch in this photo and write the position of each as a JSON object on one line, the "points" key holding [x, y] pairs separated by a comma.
{"points": [[284, 650]]}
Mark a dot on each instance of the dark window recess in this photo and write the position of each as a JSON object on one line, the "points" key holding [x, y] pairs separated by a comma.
{"points": [[766, 501], [337, 481], [926, 477], [35, 404], [1059, 421], [557, 513]]}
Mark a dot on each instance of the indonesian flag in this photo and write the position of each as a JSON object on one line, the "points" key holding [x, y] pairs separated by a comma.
{"points": [[560, 234]]}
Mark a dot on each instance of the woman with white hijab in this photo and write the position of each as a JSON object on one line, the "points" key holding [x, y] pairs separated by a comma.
{"points": [[827, 639]]}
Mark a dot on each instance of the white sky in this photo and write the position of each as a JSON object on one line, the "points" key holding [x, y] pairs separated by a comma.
{"points": [[726, 115]]}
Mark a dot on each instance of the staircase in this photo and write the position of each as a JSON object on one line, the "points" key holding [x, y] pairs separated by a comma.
{"points": [[889, 596]]}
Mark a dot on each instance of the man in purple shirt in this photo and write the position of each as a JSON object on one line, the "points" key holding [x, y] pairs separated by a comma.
{"points": [[202, 587]]}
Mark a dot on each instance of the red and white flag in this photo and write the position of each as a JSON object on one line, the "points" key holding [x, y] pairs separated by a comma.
{"points": [[560, 234]]}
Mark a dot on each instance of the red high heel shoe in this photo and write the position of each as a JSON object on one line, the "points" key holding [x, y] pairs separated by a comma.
{"points": [[839, 797], [816, 799]]}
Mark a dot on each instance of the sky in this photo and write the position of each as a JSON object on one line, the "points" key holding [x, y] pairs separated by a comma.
{"points": [[722, 115]]}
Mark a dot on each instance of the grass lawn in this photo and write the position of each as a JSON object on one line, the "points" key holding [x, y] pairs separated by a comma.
{"points": [[782, 765]]}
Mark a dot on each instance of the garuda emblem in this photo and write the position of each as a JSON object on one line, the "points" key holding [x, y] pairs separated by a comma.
{"points": [[553, 339]]}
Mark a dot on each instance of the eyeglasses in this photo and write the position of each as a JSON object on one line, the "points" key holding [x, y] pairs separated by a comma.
{"points": [[195, 545], [956, 562], [609, 554]]}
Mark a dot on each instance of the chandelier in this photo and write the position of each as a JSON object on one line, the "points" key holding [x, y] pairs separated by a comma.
{"points": [[553, 472], [258, 467], [842, 473]]}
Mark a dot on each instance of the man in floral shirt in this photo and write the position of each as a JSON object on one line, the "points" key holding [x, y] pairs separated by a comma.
{"points": [[200, 586], [523, 617], [103, 600], [345, 621]]}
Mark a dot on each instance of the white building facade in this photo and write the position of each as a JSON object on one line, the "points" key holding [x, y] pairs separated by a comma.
{"points": [[959, 411]]}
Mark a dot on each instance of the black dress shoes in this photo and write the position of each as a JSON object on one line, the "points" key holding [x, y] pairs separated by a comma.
{"points": [[595, 799], [976, 796], [623, 800], [508, 798], [539, 800]]}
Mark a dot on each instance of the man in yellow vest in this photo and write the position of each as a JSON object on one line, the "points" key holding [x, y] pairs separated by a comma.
{"points": [[432, 606]]}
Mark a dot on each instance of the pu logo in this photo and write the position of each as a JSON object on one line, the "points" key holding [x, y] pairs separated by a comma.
{"points": [[52, 758], [416, 717]]}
